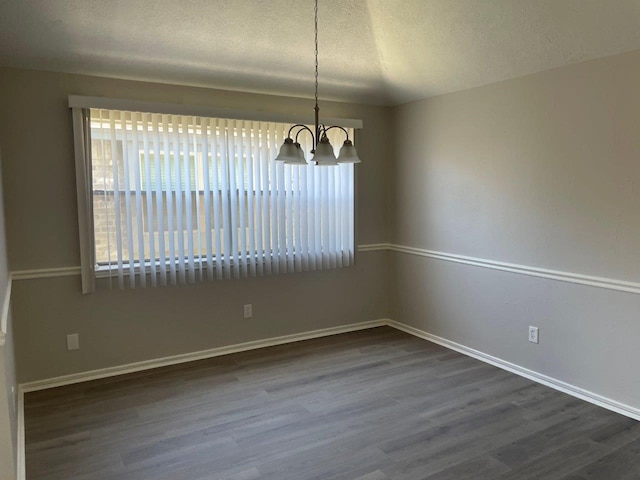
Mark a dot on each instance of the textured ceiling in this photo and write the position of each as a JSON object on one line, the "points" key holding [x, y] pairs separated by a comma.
{"points": [[371, 51]]}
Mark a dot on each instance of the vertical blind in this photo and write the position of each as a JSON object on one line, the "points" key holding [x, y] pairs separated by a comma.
{"points": [[179, 199]]}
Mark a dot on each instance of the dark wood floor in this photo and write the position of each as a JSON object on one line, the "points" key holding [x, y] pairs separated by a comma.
{"points": [[370, 405]]}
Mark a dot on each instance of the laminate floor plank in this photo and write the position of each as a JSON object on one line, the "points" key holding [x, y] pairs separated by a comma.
{"points": [[376, 404]]}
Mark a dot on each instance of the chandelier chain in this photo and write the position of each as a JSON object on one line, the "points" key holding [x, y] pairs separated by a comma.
{"points": [[316, 51]]}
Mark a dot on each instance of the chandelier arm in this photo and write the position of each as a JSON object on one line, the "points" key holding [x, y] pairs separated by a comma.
{"points": [[302, 129], [337, 126], [294, 126]]}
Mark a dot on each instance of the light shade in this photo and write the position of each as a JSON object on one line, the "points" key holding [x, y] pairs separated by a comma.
{"points": [[288, 152], [324, 155], [348, 153], [300, 160]]}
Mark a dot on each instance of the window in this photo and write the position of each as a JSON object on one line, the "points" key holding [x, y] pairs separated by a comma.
{"points": [[178, 199]]}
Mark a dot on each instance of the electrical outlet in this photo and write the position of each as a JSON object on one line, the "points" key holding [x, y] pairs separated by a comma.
{"points": [[533, 335], [73, 341], [248, 310]]}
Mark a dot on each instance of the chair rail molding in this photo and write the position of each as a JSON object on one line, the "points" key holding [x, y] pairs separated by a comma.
{"points": [[50, 272], [559, 275], [45, 273], [4, 314]]}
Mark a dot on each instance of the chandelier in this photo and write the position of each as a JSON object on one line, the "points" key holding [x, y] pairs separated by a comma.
{"points": [[291, 151]]}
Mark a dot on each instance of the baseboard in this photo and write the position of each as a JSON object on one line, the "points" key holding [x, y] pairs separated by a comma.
{"points": [[556, 384], [190, 357], [20, 447]]}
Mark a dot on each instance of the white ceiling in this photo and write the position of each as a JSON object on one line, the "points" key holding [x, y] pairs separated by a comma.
{"points": [[371, 51]]}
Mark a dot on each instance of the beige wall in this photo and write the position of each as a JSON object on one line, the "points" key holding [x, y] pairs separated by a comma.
{"points": [[8, 397], [118, 327], [542, 171]]}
